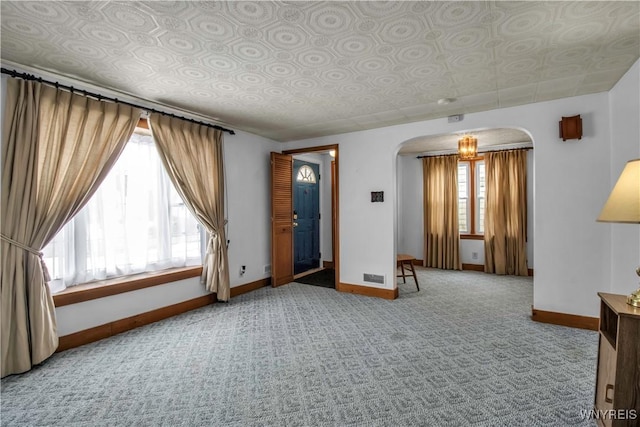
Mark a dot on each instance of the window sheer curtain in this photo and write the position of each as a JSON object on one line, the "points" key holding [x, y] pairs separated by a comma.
{"points": [[441, 236], [56, 149], [505, 221], [135, 222], [193, 157]]}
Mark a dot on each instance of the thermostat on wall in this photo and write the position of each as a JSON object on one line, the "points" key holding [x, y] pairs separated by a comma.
{"points": [[377, 196]]}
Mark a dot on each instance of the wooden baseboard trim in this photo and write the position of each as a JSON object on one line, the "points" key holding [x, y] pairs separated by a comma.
{"points": [[327, 264], [368, 291], [473, 267], [107, 330], [243, 289], [118, 326], [417, 262], [564, 319], [480, 267]]}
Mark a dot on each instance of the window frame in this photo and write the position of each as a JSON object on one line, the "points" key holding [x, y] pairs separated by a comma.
{"points": [[94, 289], [472, 198], [132, 282], [466, 167]]}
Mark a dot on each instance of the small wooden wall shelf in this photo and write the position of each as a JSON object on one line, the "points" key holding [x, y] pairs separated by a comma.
{"points": [[571, 128]]}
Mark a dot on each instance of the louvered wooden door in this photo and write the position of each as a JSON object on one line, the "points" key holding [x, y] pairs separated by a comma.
{"points": [[281, 219]]}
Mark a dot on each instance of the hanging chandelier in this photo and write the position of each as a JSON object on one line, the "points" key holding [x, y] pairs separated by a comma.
{"points": [[468, 147]]}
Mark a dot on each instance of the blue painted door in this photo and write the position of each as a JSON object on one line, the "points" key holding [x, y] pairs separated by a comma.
{"points": [[306, 216]]}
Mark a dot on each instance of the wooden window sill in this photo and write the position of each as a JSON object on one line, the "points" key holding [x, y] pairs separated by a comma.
{"points": [[471, 237], [105, 288]]}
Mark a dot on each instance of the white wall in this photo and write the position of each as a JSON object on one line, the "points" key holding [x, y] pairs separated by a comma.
{"points": [[325, 209], [77, 317], [410, 215], [249, 205], [571, 181], [625, 146], [410, 206], [531, 170], [367, 235]]}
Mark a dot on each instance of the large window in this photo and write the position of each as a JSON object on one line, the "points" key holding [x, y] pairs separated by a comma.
{"points": [[471, 197], [135, 222]]}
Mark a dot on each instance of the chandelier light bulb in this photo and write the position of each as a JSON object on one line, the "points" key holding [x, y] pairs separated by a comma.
{"points": [[468, 147]]}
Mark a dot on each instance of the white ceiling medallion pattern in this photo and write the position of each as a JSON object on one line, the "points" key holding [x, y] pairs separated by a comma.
{"points": [[292, 70]]}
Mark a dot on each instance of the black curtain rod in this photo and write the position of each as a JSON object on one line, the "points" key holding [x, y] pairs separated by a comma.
{"points": [[25, 76], [479, 152]]}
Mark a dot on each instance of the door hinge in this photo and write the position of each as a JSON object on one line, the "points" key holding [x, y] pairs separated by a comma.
{"points": [[319, 216], [319, 254]]}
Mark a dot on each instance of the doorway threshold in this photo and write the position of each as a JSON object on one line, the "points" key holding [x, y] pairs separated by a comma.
{"points": [[308, 272]]}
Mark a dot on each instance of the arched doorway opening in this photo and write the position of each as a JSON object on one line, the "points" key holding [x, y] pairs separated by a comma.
{"points": [[410, 197]]}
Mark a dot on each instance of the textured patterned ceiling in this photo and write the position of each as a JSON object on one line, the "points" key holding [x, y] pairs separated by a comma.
{"points": [[292, 70]]}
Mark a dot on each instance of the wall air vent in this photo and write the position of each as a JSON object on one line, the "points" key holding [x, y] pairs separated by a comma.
{"points": [[373, 278]]}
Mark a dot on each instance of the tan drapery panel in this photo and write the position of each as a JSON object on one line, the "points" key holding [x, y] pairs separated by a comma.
{"points": [[192, 155], [505, 219], [441, 237], [56, 149]]}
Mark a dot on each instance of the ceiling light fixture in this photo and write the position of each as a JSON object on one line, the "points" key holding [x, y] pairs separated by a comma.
{"points": [[467, 147], [445, 101]]}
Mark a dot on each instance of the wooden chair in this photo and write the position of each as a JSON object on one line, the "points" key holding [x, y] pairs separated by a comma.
{"points": [[403, 261]]}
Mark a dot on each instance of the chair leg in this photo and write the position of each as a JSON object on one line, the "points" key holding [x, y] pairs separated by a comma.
{"points": [[404, 280], [413, 270]]}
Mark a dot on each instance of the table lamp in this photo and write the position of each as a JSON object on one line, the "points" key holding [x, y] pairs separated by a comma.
{"points": [[623, 206]]}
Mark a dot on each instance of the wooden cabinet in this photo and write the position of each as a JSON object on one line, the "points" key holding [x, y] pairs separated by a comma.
{"points": [[617, 398]]}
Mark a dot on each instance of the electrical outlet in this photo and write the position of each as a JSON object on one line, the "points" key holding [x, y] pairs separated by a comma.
{"points": [[474, 255], [267, 268], [243, 269]]}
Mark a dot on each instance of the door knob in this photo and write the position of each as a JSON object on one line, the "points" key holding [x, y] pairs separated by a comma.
{"points": [[295, 224]]}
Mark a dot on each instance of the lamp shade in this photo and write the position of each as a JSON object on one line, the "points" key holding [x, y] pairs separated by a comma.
{"points": [[623, 204]]}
